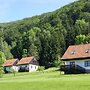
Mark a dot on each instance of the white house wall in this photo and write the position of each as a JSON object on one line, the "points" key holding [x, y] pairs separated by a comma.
{"points": [[32, 68], [9, 68], [15, 68], [79, 62]]}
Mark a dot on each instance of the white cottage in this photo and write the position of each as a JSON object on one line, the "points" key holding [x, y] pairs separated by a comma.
{"points": [[77, 59], [28, 64], [10, 65]]}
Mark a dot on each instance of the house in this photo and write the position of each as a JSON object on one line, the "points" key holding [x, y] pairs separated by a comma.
{"points": [[76, 59], [28, 64], [10, 65]]}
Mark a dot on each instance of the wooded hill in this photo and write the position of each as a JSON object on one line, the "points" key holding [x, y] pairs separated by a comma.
{"points": [[46, 36]]}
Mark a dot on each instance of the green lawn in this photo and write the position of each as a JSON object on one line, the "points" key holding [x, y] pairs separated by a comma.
{"points": [[45, 81]]}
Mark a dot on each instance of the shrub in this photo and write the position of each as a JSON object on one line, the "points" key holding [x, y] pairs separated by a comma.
{"points": [[41, 68], [1, 71]]}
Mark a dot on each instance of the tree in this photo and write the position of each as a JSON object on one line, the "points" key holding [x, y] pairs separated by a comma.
{"points": [[86, 7], [5, 48], [24, 53], [48, 35], [2, 59], [80, 39], [31, 42], [41, 68], [44, 54], [82, 27], [14, 72], [87, 39], [17, 50]]}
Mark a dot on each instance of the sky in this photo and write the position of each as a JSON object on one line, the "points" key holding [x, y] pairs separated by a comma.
{"points": [[12, 10]]}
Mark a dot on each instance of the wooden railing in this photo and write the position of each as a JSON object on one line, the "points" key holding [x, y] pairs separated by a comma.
{"points": [[72, 69]]}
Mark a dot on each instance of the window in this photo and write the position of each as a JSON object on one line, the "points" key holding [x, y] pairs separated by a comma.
{"points": [[31, 66], [35, 67], [87, 63], [72, 63], [34, 62]]}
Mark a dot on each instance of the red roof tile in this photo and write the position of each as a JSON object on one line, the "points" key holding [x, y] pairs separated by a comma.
{"points": [[77, 52], [25, 60], [10, 62]]}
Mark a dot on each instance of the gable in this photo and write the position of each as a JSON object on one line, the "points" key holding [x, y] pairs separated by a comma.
{"points": [[27, 60], [34, 62], [10, 62]]}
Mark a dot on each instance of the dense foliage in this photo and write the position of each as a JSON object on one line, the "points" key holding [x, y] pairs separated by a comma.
{"points": [[46, 36], [2, 59]]}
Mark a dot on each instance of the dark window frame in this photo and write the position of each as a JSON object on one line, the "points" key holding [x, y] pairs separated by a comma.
{"points": [[72, 63], [31, 66], [87, 63]]}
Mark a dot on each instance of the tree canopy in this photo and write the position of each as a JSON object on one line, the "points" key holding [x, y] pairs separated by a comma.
{"points": [[47, 36]]}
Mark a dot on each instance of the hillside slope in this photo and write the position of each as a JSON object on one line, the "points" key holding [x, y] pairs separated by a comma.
{"points": [[46, 36]]}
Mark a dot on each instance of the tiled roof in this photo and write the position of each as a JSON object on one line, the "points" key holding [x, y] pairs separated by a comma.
{"points": [[10, 62], [77, 52], [25, 60]]}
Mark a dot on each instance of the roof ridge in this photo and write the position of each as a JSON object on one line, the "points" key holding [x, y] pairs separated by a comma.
{"points": [[10, 59], [28, 57], [80, 44]]}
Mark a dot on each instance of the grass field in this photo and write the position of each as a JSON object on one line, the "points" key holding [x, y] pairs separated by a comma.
{"points": [[49, 80]]}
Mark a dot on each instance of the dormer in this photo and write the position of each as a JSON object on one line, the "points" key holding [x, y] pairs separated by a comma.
{"points": [[73, 52], [87, 51]]}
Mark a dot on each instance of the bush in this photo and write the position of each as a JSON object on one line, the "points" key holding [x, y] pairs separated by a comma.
{"points": [[1, 72], [41, 68]]}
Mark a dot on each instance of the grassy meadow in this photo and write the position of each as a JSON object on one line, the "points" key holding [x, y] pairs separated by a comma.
{"points": [[49, 80]]}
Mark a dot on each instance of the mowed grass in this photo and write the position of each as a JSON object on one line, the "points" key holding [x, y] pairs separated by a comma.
{"points": [[49, 80]]}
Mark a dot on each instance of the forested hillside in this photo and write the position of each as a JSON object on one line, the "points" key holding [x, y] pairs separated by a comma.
{"points": [[47, 36]]}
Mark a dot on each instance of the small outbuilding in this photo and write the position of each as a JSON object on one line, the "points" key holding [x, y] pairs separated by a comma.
{"points": [[28, 64], [10, 65]]}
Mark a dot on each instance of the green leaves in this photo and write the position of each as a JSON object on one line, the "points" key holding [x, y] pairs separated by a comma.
{"points": [[47, 36], [5, 48], [82, 27], [82, 39], [2, 58]]}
